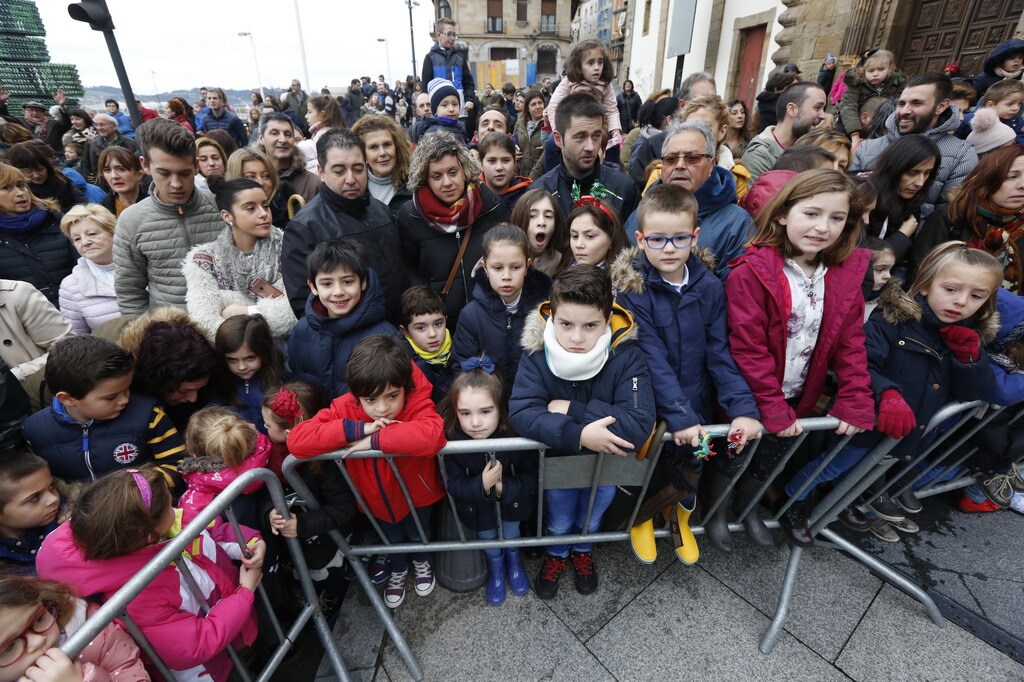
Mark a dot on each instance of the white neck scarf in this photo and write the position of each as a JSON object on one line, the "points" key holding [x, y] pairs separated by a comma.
{"points": [[575, 366]]}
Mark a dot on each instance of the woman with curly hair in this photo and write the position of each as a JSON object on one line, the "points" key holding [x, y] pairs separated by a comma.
{"points": [[443, 227], [179, 110], [387, 156]]}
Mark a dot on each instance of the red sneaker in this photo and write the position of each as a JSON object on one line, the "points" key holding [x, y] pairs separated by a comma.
{"points": [[968, 505]]}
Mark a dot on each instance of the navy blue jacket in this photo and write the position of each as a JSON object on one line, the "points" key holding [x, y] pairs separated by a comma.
{"points": [[439, 376], [486, 326], [622, 389], [559, 183], [684, 337], [42, 257], [465, 485], [249, 395], [18, 555], [141, 434], [228, 121], [906, 353], [1009, 380], [319, 347], [429, 124], [997, 56]]}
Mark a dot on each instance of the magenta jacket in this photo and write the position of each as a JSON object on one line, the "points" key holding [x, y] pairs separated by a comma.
{"points": [[758, 303], [207, 477], [188, 642]]}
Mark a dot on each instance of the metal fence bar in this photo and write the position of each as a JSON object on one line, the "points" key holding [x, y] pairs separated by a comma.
{"points": [[748, 456], [355, 493], [810, 480], [172, 551], [140, 639], [598, 466], [652, 458], [408, 500], [260, 591], [797, 442], [282, 649], [451, 502]]}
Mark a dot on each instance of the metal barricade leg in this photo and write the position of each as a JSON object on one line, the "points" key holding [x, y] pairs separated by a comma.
{"points": [[771, 637]]}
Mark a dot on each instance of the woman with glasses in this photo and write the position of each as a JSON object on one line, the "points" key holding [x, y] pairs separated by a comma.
{"points": [[35, 615]]}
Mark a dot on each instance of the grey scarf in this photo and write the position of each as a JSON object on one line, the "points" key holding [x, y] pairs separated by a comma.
{"points": [[236, 270]]}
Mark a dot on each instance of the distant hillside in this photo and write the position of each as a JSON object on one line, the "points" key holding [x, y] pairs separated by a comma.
{"points": [[95, 96]]}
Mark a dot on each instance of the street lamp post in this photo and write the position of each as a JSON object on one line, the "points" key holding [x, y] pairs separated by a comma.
{"points": [[412, 36], [387, 51], [259, 78]]}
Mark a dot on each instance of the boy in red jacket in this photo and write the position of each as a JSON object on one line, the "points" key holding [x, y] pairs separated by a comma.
{"points": [[387, 408]]}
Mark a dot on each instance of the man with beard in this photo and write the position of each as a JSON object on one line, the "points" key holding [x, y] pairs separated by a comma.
{"points": [[688, 160], [801, 106], [924, 108]]}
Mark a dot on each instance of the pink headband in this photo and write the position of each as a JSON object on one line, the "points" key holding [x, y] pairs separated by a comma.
{"points": [[144, 488]]}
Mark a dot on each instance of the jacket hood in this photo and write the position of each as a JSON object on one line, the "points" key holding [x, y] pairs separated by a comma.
{"points": [[368, 312], [948, 124], [764, 189], [536, 286], [631, 271], [1011, 310], [1002, 52], [898, 306], [624, 328], [717, 191], [132, 335], [201, 465]]}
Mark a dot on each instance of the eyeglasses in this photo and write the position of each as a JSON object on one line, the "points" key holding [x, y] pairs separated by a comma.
{"points": [[450, 34], [657, 242], [12, 651], [688, 159]]}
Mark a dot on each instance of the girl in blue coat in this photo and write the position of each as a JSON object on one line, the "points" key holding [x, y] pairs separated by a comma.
{"points": [[507, 290], [252, 364], [475, 410]]}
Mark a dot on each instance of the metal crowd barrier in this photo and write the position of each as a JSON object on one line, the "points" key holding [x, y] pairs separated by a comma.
{"points": [[116, 606]]}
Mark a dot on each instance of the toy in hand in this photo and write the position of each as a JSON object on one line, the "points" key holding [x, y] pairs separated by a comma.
{"points": [[704, 449], [963, 341], [735, 440]]}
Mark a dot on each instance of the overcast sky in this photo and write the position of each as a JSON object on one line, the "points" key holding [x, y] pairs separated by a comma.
{"points": [[188, 43]]}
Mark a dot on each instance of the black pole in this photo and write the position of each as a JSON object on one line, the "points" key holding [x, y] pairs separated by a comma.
{"points": [[122, 77], [412, 41]]}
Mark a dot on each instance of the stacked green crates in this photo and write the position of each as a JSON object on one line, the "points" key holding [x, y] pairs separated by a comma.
{"points": [[25, 68]]}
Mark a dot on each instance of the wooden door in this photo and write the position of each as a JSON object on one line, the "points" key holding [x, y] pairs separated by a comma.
{"points": [[751, 47], [943, 31]]}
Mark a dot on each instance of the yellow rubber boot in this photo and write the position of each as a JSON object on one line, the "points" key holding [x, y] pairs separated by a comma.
{"points": [[686, 545], [642, 538]]}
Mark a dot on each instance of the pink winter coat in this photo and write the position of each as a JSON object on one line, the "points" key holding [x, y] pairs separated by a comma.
{"points": [[207, 477], [838, 88], [759, 305], [166, 613], [112, 656], [602, 91]]}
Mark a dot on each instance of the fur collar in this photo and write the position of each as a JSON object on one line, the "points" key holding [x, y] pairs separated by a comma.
{"points": [[897, 307], [201, 465], [628, 268], [624, 328], [132, 335]]}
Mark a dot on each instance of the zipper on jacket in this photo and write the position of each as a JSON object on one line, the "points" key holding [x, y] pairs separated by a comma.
{"points": [[86, 451], [383, 495], [247, 387], [636, 393]]}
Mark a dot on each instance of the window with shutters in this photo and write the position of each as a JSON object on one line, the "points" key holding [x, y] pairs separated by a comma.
{"points": [[495, 20], [521, 6], [548, 18]]}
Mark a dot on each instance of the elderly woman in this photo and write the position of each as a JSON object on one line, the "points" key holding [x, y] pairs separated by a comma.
{"points": [[87, 297], [123, 177], [387, 155], [32, 248], [240, 272], [987, 212], [443, 227]]}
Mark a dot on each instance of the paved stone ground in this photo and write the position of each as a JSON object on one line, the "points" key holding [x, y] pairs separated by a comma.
{"points": [[671, 622]]}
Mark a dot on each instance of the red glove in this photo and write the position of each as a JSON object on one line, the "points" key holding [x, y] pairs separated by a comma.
{"points": [[962, 341], [895, 418]]}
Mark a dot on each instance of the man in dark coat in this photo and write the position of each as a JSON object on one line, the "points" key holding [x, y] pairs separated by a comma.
{"points": [[343, 208]]}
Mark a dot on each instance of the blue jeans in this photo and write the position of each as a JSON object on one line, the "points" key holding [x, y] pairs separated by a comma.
{"points": [[510, 529], [847, 458], [405, 531], [567, 510]]}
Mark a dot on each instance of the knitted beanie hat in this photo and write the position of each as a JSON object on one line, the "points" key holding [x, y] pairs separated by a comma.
{"points": [[988, 131], [438, 89]]}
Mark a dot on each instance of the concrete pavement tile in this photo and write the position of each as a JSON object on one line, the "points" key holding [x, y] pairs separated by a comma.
{"points": [[621, 577], [688, 626], [897, 641], [832, 592], [460, 637], [358, 631]]}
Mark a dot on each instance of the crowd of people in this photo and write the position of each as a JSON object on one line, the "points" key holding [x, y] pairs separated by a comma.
{"points": [[401, 267]]}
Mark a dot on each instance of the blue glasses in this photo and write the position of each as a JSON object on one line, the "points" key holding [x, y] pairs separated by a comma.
{"points": [[679, 241]]}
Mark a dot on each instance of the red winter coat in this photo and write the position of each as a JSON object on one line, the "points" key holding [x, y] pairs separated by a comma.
{"points": [[764, 190], [758, 303], [418, 435]]}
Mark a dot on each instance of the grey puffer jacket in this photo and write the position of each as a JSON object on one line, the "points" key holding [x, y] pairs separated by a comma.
{"points": [[958, 157], [150, 243]]}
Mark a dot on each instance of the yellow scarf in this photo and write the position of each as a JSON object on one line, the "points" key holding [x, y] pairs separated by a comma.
{"points": [[438, 357]]}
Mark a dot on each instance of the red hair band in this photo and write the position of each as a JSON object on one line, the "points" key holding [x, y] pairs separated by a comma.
{"points": [[588, 200]]}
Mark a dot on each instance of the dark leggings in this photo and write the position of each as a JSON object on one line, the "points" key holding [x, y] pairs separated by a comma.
{"points": [[999, 444], [769, 453], [405, 531]]}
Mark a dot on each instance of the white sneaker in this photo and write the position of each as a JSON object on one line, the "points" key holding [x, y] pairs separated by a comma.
{"points": [[394, 593], [1017, 503], [424, 578]]}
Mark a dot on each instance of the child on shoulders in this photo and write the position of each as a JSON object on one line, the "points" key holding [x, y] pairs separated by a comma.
{"points": [[29, 509], [387, 408], [445, 103]]}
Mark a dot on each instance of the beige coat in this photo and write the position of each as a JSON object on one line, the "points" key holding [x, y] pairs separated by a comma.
{"points": [[29, 326]]}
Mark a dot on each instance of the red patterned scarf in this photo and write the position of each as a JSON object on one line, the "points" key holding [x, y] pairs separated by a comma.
{"points": [[458, 216], [999, 233]]}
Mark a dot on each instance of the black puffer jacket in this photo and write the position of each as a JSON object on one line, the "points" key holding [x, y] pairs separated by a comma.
{"points": [[430, 252], [42, 257], [328, 216]]}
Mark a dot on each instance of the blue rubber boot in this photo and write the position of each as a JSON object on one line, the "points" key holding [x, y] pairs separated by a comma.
{"points": [[495, 580], [517, 579]]}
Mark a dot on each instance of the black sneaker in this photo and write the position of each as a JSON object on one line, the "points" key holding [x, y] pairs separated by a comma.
{"points": [[908, 500], [854, 519], [380, 568], [884, 508], [586, 572], [550, 571]]}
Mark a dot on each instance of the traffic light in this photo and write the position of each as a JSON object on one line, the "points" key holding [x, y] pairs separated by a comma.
{"points": [[94, 13]]}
